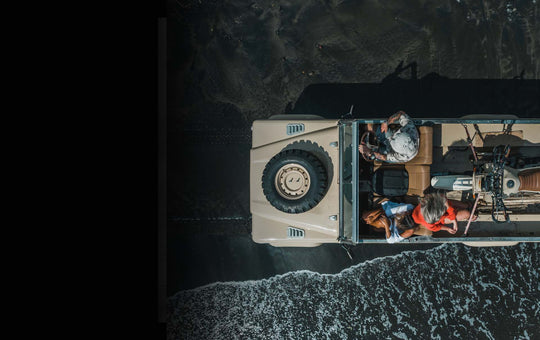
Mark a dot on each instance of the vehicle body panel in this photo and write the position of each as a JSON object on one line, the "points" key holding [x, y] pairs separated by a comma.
{"points": [[269, 224]]}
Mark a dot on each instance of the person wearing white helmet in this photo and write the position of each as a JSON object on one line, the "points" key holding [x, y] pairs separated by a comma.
{"points": [[395, 145]]}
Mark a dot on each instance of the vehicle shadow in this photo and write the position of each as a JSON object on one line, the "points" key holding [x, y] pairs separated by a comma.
{"points": [[432, 96]]}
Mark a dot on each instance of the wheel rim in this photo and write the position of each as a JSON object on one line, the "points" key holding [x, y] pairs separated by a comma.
{"points": [[292, 181]]}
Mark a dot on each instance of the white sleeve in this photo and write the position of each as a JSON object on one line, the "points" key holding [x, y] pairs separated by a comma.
{"points": [[404, 119]]}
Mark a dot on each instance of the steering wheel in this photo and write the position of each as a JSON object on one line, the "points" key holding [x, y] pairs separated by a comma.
{"points": [[370, 141]]}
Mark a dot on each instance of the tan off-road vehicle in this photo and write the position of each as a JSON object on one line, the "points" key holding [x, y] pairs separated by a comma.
{"points": [[309, 184]]}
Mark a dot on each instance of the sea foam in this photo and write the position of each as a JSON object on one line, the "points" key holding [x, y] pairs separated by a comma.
{"points": [[445, 292]]}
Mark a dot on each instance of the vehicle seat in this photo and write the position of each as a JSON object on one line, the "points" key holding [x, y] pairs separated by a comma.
{"points": [[414, 174], [529, 180], [390, 181]]}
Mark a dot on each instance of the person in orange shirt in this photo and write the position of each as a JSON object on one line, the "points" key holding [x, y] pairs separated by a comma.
{"points": [[435, 210]]}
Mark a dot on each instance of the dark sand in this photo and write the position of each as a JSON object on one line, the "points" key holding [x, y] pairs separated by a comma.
{"points": [[232, 62]]}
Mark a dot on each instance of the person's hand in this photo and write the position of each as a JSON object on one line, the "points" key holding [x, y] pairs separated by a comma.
{"points": [[365, 152], [395, 117], [384, 127], [452, 231], [364, 149], [380, 156]]}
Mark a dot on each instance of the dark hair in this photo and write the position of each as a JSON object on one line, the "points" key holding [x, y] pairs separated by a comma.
{"points": [[404, 221]]}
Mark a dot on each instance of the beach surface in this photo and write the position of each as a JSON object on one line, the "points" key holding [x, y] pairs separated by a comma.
{"points": [[232, 62]]}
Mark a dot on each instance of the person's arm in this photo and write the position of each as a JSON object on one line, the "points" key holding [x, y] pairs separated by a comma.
{"points": [[394, 157], [451, 215], [380, 156], [455, 225], [387, 228], [450, 230], [404, 119], [434, 227], [409, 232], [402, 116]]}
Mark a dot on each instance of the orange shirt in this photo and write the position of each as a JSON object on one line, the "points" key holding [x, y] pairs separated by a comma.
{"points": [[449, 214]]}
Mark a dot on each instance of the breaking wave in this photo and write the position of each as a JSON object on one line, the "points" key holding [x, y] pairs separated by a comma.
{"points": [[451, 291]]}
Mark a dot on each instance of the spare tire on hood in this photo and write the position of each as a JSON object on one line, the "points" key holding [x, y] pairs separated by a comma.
{"points": [[294, 181]]}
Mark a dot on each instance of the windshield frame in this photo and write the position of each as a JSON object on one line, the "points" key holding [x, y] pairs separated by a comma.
{"points": [[345, 221]]}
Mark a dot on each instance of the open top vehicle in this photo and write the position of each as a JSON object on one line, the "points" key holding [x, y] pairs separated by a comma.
{"points": [[309, 184]]}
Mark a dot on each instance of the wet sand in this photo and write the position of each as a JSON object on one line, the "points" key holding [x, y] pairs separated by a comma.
{"points": [[238, 61], [449, 292]]}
